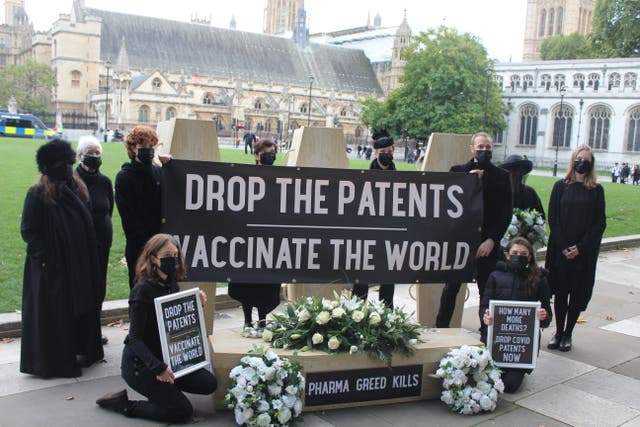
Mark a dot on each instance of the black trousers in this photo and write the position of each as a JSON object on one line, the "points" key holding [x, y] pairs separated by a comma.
{"points": [[512, 379], [386, 292], [484, 267], [166, 401]]}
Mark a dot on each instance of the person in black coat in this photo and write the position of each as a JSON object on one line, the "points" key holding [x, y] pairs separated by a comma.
{"points": [[577, 221], [249, 139], [101, 195], [524, 197], [264, 296], [159, 268], [497, 212], [61, 294], [517, 279], [138, 193], [383, 160]]}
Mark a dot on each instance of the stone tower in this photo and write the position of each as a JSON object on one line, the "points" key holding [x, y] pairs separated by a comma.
{"points": [[401, 40], [14, 14], [547, 18], [280, 16]]}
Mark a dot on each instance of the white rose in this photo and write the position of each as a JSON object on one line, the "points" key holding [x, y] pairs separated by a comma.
{"points": [[337, 313], [267, 335], [291, 389], [297, 407], [333, 343], [485, 403], [263, 406], [263, 420], [357, 316], [480, 376], [304, 315], [326, 304], [374, 318], [323, 318], [240, 420], [484, 386], [317, 338], [447, 397], [274, 390], [284, 415], [353, 349], [288, 400]]}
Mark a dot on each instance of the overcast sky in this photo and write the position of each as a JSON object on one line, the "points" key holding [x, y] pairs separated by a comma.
{"points": [[498, 23]]}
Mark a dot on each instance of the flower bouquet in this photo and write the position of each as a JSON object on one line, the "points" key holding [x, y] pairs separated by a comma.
{"points": [[471, 381], [343, 324], [528, 224], [265, 390]]}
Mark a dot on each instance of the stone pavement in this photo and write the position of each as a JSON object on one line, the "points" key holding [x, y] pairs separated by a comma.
{"points": [[596, 384]]}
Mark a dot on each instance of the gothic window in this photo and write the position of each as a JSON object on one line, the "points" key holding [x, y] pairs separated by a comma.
{"points": [[498, 136], [515, 82], [170, 113], [543, 19], [599, 123], [267, 126], [630, 80], [143, 114], [528, 124], [559, 21], [545, 81], [552, 15], [558, 81], [156, 83], [358, 132], [208, 98], [259, 104], [562, 125], [499, 81], [304, 108], [527, 81], [593, 81], [75, 78], [578, 80], [633, 133], [614, 80], [343, 112]]}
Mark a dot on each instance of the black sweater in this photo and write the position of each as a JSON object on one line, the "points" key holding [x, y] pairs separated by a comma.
{"points": [[101, 195]]}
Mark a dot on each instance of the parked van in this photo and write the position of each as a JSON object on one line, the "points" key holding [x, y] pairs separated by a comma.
{"points": [[23, 126]]}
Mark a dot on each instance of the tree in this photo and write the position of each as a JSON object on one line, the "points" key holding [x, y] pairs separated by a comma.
{"points": [[31, 84], [573, 46], [616, 29], [443, 89]]}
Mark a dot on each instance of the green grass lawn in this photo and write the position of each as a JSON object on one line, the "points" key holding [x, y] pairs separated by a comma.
{"points": [[18, 172]]}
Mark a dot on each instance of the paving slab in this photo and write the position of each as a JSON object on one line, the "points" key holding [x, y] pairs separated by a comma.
{"points": [[610, 386], [633, 423], [576, 407], [629, 326], [522, 418], [630, 368]]}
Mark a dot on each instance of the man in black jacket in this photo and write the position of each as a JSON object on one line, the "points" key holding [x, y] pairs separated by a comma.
{"points": [[497, 211]]}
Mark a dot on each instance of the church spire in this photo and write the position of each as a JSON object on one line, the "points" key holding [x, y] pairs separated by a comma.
{"points": [[301, 31], [122, 63]]}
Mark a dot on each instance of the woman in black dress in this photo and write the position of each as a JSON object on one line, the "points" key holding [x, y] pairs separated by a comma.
{"points": [[264, 296], [101, 195], [158, 270], [577, 221], [60, 295], [524, 196]]}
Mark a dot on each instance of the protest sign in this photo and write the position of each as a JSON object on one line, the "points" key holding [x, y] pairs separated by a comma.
{"points": [[513, 336]]}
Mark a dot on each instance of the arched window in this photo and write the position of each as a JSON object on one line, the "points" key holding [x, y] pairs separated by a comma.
{"points": [[304, 108], [258, 105], [75, 78], [552, 15], [559, 20], [143, 114], [527, 81], [630, 80], [358, 132], [543, 22], [208, 98], [499, 80], [593, 81], [528, 124], [599, 123], [558, 81], [614, 80], [578, 80], [633, 133], [545, 81], [343, 112], [170, 113], [156, 83], [515, 82], [562, 125]]}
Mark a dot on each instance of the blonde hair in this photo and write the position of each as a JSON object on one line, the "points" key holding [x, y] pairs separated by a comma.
{"points": [[591, 178]]}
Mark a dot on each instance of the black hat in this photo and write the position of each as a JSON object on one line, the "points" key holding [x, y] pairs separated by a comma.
{"points": [[515, 161], [55, 151], [381, 139]]}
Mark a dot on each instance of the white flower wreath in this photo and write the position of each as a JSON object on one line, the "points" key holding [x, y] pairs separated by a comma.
{"points": [[471, 381]]}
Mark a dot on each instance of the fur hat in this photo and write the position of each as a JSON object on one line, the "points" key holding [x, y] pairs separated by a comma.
{"points": [[55, 151], [381, 139], [517, 161]]}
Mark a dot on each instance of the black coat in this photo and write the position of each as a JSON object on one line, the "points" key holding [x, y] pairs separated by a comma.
{"points": [[139, 202], [60, 295], [576, 217], [101, 195], [525, 197]]}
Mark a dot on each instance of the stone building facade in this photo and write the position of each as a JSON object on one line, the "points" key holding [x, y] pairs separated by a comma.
{"points": [[16, 34], [280, 15]]}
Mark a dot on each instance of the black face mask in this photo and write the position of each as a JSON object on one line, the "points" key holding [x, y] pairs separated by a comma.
{"points": [[145, 155], [582, 166], [483, 157], [519, 262], [385, 159], [267, 159], [60, 173], [170, 266], [92, 162]]}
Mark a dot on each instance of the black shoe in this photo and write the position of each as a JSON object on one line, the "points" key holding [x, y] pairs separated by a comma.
{"points": [[565, 344], [104, 340], [554, 343], [118, 401]]}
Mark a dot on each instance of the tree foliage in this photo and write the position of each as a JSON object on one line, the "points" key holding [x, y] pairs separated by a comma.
{"points": [[573, 46], [31, 84], [616, 29], [443, 89]]}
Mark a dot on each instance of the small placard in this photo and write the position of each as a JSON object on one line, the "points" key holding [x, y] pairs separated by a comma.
{"points": [[182, 331], [513, 337], [326, 388]]}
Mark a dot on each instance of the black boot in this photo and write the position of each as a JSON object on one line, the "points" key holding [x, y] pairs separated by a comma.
{"points": [[565, 344], [118, 402], [554, 343]]}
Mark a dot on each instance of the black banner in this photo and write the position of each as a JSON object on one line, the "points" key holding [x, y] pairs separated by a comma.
{"points": [[326, 388], [257, 224], [513, 336]]}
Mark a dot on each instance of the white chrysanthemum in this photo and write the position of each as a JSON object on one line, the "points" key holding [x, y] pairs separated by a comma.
{"points": [[447, 397]]}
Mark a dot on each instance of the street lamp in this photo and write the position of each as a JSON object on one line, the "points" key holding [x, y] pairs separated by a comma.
{"points": [[311, 78], [106, 103], [506, 137], [488, 70], [579, 122], [563, 91]]}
